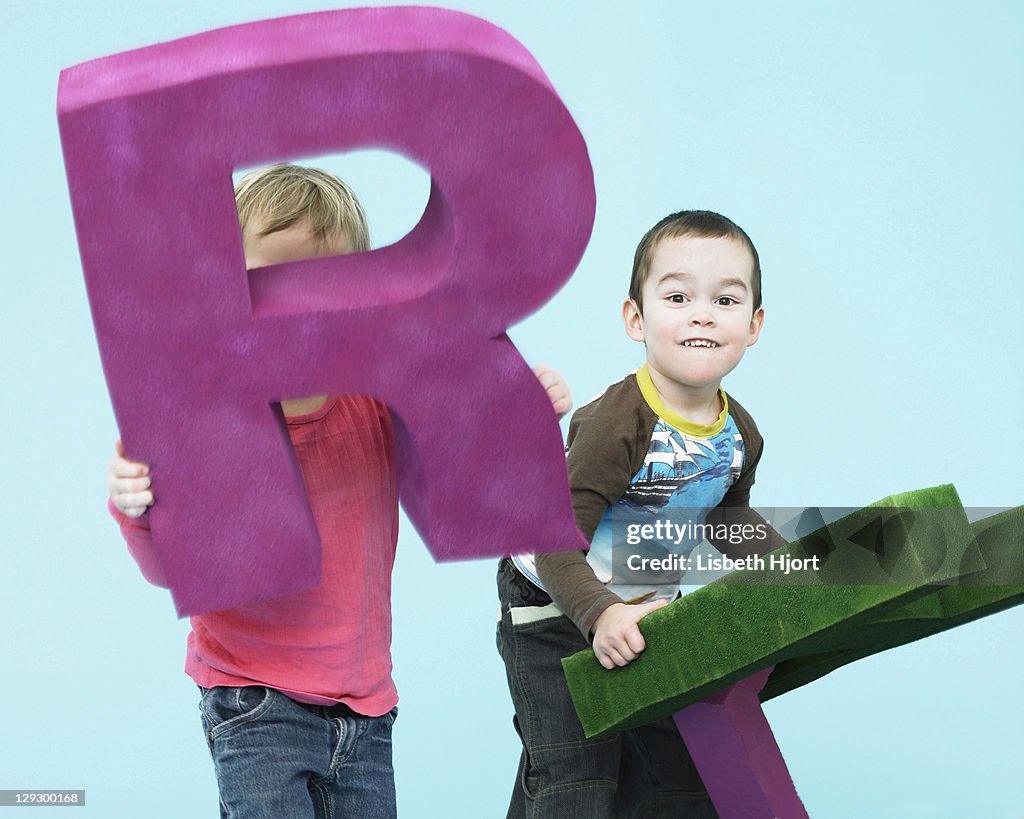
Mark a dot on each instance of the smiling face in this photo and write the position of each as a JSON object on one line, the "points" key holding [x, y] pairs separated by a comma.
{"points": [[698, 317]]}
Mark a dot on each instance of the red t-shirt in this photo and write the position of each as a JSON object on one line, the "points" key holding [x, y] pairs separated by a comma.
{"points": [[332, 643]]}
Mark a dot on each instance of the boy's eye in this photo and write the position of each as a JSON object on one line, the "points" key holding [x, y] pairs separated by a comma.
{"points": [[727, 301], [677, 298]]}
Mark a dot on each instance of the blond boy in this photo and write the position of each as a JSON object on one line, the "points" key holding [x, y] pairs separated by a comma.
{"points": [[297, 696]]}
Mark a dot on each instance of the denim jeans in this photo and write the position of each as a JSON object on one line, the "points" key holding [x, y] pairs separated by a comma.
{"points": [[642, 772], [279, 759]]}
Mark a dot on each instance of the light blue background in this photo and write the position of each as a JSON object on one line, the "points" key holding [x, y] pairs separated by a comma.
{"points": [[873, 154]]}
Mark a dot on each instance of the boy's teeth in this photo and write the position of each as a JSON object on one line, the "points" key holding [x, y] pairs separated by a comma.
{"points": [[699, 343]]}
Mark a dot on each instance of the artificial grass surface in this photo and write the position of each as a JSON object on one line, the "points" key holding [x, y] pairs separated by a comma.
{"points": [[1000, 539], [807, 624]]}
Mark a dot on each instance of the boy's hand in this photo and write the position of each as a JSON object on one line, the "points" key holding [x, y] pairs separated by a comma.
{"points": [[557, 387], [128, 483], [617, 638]]}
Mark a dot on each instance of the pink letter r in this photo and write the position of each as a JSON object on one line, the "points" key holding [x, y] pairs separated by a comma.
{"points": [[196, 350]]}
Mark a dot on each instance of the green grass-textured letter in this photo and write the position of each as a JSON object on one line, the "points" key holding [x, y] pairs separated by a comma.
{"points": [[875, 562]]}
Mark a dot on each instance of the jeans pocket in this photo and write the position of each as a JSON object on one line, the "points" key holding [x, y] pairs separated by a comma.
{"points": [[387, 719], [224, 707]]}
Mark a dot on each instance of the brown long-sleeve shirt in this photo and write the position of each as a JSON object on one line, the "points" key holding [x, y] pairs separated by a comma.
{"points": [[609, 440]]}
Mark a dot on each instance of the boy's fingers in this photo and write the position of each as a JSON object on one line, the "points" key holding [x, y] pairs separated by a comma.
{"points": [[128, 486], [620, 649], [635, 641], [131, 498], [133, 504], [126, 483], [545, 375], [644, 609], [610, 658], [119, 467], [556, 388], [654, 605], [624, 643], [560, 399], [122, 468]]}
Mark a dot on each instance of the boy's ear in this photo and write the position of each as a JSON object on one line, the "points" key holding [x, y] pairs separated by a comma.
{"points": [[756, 323], [633, 319]]}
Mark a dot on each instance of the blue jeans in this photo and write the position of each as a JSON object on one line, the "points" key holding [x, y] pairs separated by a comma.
{"points": [[279, 759], [642, 772]]}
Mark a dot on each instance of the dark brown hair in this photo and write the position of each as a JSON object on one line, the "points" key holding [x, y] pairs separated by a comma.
{"points": [[703, 224]]}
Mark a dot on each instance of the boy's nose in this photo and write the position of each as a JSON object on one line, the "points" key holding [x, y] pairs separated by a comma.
{"points": [[702, 318]]}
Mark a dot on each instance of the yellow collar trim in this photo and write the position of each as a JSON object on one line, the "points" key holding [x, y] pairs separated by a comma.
{"points": [[650, 394]]}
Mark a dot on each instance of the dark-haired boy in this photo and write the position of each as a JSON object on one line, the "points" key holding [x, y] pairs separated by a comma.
{"points": [[665, 436]]}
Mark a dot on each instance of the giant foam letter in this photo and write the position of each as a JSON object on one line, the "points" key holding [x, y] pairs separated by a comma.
{"points": [[715, 654], [196, 350]]}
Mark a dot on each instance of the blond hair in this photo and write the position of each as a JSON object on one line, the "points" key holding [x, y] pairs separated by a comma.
{"points": [[280, 196]]}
